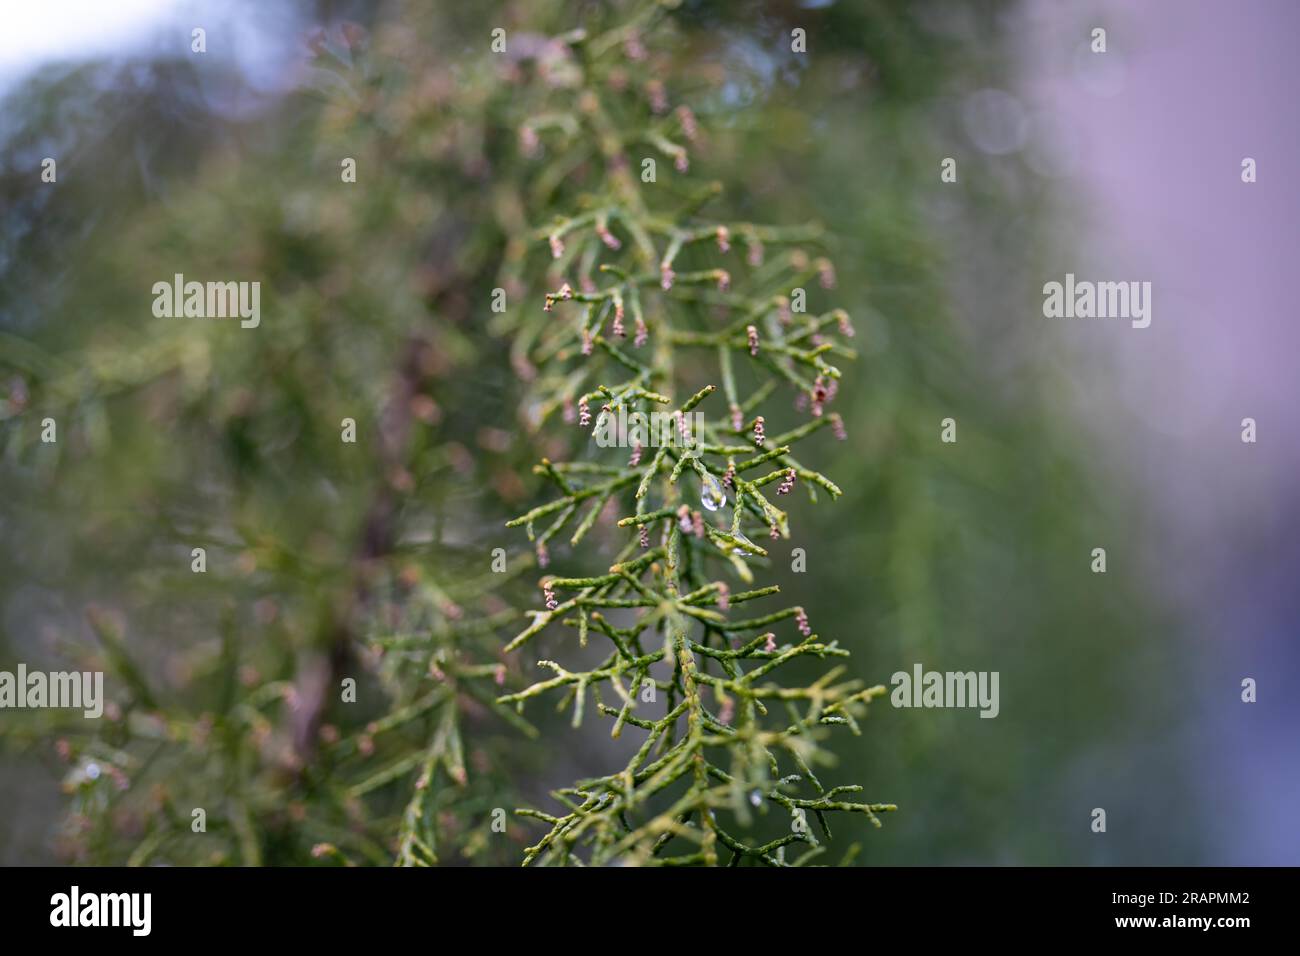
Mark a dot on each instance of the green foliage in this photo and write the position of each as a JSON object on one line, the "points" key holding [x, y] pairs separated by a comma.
{"points": [[725, 733], [326, 561], [372, 561]]}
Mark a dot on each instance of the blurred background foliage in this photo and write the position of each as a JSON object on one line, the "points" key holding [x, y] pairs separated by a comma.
{"points": [[372, 560]]}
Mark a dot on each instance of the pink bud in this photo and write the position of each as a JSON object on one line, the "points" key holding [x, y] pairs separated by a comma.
{"points": [[657, 96], [819, 394], [837, 426], [826, 272], [528, 141], [608, 238], [687, 120]]}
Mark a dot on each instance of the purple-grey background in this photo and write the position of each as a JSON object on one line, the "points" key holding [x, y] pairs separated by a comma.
{"points": [[1152, 135]]}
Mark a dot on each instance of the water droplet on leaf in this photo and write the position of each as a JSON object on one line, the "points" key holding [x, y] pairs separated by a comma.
{"points": [[712, 497]]}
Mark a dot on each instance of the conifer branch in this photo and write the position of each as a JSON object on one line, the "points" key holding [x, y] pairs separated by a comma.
{"points": [[731, 739]]}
